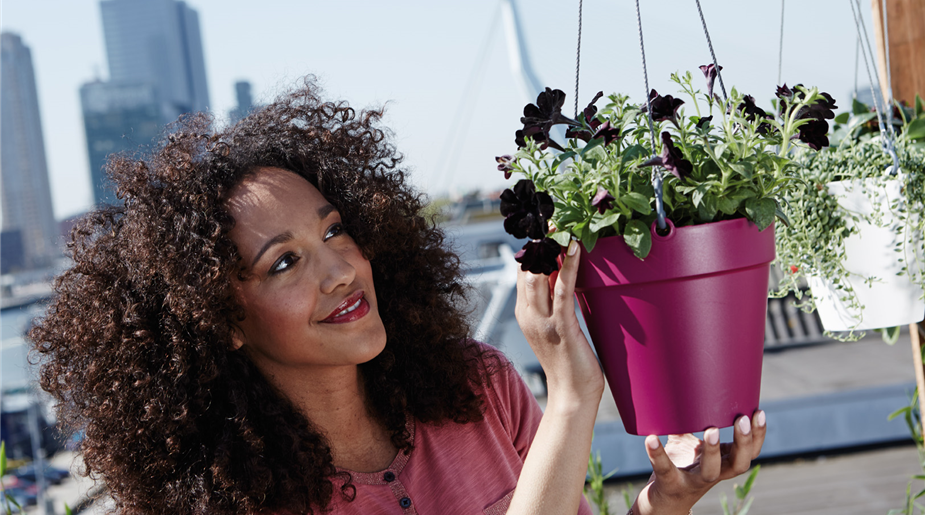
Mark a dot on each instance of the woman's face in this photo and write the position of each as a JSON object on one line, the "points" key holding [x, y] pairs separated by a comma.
{"points": [[307, 291]]}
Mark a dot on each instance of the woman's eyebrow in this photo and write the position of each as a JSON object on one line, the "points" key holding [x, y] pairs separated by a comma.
{"points": [[325, 210], [279, 238]]}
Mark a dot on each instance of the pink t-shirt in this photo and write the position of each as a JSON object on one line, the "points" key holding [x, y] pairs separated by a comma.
{"points": [[457, 469]]}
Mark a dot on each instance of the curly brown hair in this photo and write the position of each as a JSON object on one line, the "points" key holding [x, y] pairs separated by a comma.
{"points": [[136, 345]]}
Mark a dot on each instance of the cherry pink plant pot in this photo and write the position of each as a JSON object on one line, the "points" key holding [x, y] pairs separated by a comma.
{"points": [[680, 334]]}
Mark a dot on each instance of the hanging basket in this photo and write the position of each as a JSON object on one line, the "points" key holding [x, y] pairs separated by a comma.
{"points": [[680, 335], [884, 297]]}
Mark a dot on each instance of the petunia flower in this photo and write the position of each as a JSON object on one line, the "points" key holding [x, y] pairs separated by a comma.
{"points": [[526, 210], [539, 118], [709, 71], [813, 133], [663, 107], [539, 256], [506, 165], [671, 159], [602, 130], [753, 112], [602, 200], [591, 122]]}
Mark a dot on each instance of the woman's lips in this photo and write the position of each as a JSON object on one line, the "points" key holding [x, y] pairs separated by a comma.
{"points": [[354, 308]]}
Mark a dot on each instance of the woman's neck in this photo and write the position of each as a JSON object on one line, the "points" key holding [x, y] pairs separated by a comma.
{"points": [[334, 400]]}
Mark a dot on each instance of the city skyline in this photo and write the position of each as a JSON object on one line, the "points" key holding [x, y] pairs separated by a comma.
{"points": [[420, 59]]}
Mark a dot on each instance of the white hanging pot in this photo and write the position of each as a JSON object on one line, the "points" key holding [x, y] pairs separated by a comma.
{"points": [[872, 257]]}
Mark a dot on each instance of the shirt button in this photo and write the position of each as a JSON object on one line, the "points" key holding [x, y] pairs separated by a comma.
{"points": [[389, 476], [405, 502]]}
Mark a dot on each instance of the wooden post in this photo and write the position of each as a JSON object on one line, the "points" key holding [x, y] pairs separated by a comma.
{"points": [[906, 26], [917, 335]]}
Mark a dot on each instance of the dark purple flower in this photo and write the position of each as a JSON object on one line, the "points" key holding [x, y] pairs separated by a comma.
{"points": [[671, 159], [539, 256], [539, 118], [602, 200], [588, 115], [814, 132], [753, 112], [663, 107], [602, 130], [709, 71], [704, 121], [526, 210], [506, 165], [591, 109]]}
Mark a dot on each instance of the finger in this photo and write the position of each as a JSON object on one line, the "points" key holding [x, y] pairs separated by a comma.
{"points": [[711, 462], [564, 303], [662, 467], [536, 293], [740, 455], [759, 430]]}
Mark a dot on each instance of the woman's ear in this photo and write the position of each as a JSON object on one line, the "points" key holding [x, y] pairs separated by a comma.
{"points": [[237, 337]]}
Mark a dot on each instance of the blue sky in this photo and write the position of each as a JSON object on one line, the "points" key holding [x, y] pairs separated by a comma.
{"points": [[418, 56]]}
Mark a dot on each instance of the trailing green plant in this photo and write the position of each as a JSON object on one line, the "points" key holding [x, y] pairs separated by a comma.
{"points": [[813, 243], [729, 160], [743, 501]]}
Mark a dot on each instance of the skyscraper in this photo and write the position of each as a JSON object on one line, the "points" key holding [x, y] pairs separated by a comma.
{"points": [[28, 220], [156, 71], [157, 42], [242, 89]]}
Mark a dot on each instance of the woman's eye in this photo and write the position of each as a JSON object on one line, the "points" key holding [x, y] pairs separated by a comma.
{"points": [[283, 264], [335, 230]]}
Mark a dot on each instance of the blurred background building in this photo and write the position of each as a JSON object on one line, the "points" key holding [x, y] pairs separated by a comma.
{"points": [[29, 231], [156, 73]]}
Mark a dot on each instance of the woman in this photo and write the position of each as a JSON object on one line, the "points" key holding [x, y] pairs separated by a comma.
{"points": [[268, 325]]}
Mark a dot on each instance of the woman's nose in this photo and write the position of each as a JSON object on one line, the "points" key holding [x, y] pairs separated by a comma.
{"points": [[336, 271]]}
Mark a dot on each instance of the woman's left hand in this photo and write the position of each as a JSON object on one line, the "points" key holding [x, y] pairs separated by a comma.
{"points": [[687, 467]]}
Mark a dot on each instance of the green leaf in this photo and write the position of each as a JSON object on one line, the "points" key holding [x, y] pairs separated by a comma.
{"points": [[746, 507], [588, 238], [67, 510], [779, 213], [859, 107], [637, 202], [890, 335], [919, 106], [562, 157], [706, 211], [843, 117], [761, 211], [2, 458], [591, 145], [727, 205], [898, 412], [561, 237], [751, 479], [599, 222], [744, 168], [916, 129], [638, 238]]}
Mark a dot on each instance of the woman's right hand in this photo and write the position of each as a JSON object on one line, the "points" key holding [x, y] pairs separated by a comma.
{"points": [[545, 312]]}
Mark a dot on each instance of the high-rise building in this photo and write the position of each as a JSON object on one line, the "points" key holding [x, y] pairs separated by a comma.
{"points": [[156, 73], [157, 42], [28, 221], [117, 118], [242, 89]]}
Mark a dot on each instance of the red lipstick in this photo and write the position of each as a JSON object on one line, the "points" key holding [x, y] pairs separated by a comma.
{"points": [[351, 309]]}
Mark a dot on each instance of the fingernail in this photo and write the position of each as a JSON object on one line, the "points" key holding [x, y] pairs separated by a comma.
{"points": [[762, 420], [712, 436], [572, 247], [652, 442], [745, 425]]}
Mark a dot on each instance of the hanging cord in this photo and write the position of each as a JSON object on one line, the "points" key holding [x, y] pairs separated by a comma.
{"points": [[886, 134], [780, 53], [656, 170], [857, 59], [578, 59], [719, 75]]}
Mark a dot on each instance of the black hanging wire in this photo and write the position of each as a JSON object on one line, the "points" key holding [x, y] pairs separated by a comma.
{"points": [[578, 59], [656, 170], [706, 33]]}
